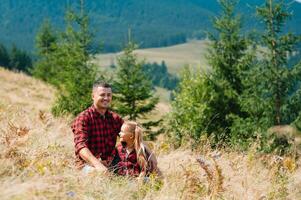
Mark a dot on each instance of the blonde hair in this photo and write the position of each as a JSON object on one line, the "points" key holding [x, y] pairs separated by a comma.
{"points": [[139, 146]]}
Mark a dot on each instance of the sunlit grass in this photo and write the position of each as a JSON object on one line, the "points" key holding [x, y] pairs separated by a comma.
{"points": [[37, 160]]}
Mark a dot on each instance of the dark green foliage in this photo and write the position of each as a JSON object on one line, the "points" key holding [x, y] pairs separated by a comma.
{"points": [[171, 40], [190, 108], [4, 56], [273, 94], [159, 75], [244, 95], [64, 62], [134, 97], [229, 59], [154, 23], [15, 59], [74, 74], [46, 39], [206, 103], [46, 44], [281, 82], [19, 60]]}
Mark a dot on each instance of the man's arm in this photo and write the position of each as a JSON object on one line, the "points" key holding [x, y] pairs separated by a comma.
{"points": [[81, 136], [86, 154]]}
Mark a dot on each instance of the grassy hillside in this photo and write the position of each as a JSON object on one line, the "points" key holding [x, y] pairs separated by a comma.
{"points": [[36, 159], [176, 57]]}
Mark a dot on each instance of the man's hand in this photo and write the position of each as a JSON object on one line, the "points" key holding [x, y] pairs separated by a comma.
{"points": [[101, 168], [86, 154]]}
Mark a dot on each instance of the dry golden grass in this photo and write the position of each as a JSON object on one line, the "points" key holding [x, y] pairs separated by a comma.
{"points": [[176, 57], [36, 159]]}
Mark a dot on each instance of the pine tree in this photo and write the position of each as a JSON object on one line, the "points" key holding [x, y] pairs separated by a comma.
{"points": [[273, 92], [46, 40], [208, 103], [230, 59], [134, 97], [281, 80], [64, 61], [75, 74]]}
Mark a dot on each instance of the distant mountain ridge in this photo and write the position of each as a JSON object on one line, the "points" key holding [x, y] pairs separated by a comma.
{"points": [[153, 23]]}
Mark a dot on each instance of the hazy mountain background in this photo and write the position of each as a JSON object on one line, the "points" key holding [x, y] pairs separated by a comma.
{"points": [[153, 23]]}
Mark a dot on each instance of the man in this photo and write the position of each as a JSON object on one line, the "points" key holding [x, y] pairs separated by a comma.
{"points": [[96, 130]]}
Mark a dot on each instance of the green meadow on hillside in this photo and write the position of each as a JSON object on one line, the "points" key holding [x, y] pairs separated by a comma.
{"points": [[176, 57]]}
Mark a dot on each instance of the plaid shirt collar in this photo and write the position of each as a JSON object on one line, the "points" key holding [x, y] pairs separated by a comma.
{"points": [[107, 115]]}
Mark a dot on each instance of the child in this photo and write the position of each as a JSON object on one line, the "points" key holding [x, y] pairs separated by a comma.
{"points": [[130, 155]]}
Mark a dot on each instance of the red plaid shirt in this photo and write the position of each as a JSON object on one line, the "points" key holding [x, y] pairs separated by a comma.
{"points": [[128, 164], [96, 132]]}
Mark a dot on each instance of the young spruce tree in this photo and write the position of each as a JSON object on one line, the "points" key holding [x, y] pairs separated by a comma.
{"points": [[68, 62], [75, 73], [134, 94], [46, 44], [273, 93], [206, 103]]}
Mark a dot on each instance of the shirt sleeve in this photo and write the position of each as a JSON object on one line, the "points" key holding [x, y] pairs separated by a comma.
{"points": [[80, 131]]}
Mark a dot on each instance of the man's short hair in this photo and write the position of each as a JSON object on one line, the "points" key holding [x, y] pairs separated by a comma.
{"points": [[101, 84]]}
